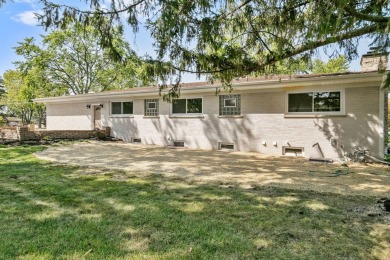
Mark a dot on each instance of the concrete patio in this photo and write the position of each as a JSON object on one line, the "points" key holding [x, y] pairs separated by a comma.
{"points": [[247, 170]]}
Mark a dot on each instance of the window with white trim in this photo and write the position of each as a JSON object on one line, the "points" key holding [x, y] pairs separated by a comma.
{"points": [[229, 105], [315, 102], [187, 106], [151, 107], [122, 108]]}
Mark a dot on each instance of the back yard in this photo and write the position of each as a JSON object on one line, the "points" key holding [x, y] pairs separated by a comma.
{"points": [[127, 201]]}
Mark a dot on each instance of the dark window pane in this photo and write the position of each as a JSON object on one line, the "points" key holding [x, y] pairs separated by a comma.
{"points": [[151, 105], [327, 101], [179, 106], [230, 102], [127, 107], [194, 105], [300, 102], [116, 108]]}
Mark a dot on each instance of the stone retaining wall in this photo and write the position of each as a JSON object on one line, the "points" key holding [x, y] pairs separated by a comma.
{"points": [[9, 133], [24, 133]]}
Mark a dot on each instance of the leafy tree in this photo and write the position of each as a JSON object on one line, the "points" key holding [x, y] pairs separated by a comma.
{"points": [[2, 91], [73, 58], [21, 88], [226, 39], [17, 99], [1, 86], [336, 65]]}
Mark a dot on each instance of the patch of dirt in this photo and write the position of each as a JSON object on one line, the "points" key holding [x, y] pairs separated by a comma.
{"points": [[376, 210], [230, 168]]}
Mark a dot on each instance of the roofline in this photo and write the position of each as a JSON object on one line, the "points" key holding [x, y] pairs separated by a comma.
{"points": [[249, 85]]}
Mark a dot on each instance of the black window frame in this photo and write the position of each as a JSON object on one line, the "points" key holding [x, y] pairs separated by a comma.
{"points": [[122, 108], [314, 95], [186, 106]]}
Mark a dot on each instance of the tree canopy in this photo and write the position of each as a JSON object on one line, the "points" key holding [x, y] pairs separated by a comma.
{"points": [[18, 96], [336, 65], [2, 92], [72, 58], [230, 38], [226, 39]]}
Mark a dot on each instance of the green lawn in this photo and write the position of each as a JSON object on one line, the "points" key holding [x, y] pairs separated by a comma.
{"points": [[49, 211]]}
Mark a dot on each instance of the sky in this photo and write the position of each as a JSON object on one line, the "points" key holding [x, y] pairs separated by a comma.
{"points": [[17, 22]]}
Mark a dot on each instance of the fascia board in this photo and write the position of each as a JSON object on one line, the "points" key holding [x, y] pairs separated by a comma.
{"points": [[358, 79]]}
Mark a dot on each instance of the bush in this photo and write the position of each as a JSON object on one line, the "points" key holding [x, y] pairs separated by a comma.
{"points": [[47, 138], [100, 136], [3, 122]]}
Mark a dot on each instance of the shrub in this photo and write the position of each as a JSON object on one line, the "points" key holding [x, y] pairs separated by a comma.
{"points": [[100, 136], [47, 138], [3, 122]]}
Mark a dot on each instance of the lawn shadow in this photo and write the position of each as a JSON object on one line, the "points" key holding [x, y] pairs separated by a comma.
{"points": [[51, 211]]}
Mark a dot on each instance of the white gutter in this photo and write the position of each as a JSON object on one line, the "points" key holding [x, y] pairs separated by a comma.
{"points": [[250, 85]]}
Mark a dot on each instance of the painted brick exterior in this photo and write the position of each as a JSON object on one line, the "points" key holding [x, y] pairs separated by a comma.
{"points": [[263, 123]]}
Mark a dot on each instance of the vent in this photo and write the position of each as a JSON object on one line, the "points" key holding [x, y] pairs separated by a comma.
{"points": [[226, 146], [136, 140], [293, 151], [178, 143]]}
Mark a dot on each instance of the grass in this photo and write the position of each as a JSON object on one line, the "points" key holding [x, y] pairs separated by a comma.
{"points": [[49, 211]]}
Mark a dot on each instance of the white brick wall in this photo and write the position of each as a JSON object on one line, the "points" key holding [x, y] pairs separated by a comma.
{"points": [[263, 120]]}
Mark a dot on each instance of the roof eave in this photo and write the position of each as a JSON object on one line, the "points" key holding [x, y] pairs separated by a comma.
{"points": [[249, 85]]}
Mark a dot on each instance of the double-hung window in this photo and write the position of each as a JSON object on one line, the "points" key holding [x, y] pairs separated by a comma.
{"points": [[122, 108], [187, 106], [315, 102]]}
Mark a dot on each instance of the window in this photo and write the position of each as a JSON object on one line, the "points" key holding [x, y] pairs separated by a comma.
{"points": [[136, 140], [122, 108], [225, 146], [178, 143], [230, 102], [187, 106], [229, 105], [151, 107], [293, 151], [312, 102]]}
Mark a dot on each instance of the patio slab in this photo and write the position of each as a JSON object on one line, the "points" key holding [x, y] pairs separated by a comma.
{"points": [[247, 170]]}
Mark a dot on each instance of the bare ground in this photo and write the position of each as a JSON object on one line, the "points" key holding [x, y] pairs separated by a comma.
{"points": [[247, 170]]}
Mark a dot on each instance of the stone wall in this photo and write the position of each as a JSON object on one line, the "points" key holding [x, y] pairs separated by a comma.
{"points": [[24, 133], [9, 133]]}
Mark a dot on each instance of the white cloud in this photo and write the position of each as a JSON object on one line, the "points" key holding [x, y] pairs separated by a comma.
{"points": [[32, 3], [27, 17]]}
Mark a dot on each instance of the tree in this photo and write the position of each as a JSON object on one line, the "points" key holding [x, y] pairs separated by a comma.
{"points": [[72, 58], [17, 99], [336, 65], [21, 88], [2, 91], [227, 39]]}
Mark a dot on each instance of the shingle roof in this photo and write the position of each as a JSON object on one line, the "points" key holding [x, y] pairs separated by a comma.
{"points": [[238, 80], [269, 81]]}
